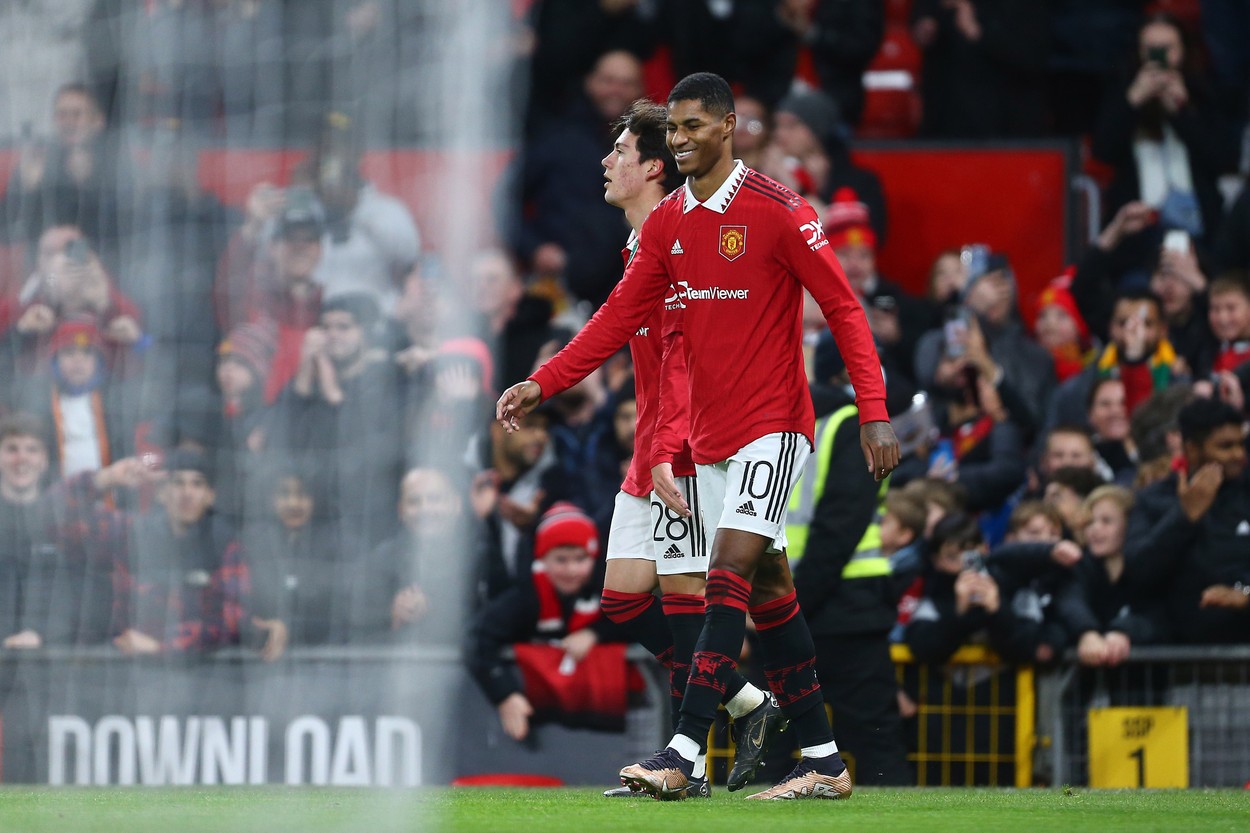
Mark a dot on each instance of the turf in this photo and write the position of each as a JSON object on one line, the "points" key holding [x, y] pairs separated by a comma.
{"points": [[313, 810]]}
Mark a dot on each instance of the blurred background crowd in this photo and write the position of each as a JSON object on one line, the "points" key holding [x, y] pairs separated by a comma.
{"points": [[242, 408]]}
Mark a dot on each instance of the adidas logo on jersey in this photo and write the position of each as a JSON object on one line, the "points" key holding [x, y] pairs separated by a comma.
{"points": [[677, 249], [747, 509], [673, 551]]}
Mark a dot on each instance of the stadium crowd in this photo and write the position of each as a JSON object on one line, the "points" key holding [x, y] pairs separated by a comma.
{"points": [[221, 424]]}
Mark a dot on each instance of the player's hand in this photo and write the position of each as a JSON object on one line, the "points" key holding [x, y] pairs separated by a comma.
{"points": [[666, 489], [514, 715], [516, 402], [880, 448]]}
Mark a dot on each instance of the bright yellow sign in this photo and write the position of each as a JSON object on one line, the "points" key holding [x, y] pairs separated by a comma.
{"points": [[1139, 747]]}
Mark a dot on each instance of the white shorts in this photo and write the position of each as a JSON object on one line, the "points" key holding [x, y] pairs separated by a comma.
{"points": [[751, 490], [646, 528]]}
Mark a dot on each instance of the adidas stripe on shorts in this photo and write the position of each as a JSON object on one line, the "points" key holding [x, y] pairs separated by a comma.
{"points": [[751, 490], [646, 528]]}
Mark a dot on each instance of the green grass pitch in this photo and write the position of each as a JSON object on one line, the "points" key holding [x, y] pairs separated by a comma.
{"points": [[584, 810]]}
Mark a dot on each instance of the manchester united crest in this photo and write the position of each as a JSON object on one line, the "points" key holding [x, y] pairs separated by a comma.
{"points": [[733, 241]]}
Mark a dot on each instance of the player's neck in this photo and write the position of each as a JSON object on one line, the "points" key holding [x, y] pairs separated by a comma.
{"points": [[704, 186], [637, 212]]}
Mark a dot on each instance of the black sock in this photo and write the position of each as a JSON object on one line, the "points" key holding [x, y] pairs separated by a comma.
{"points": [[715, 654], [790, 665], [685, 614], [643, 618]]}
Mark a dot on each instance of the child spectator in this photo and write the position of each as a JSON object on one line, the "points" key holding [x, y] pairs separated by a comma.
{"points": [[1066, 493], [962, 601], [1104, 609], [1060, 328], [560, 605], [1230, 320]]}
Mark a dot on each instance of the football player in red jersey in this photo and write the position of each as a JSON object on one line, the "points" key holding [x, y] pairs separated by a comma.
{"points": [[737, 249]]}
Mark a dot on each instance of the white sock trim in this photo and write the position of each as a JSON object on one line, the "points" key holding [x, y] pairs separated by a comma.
{"points": [[822, 751], [688, 748], [745, 701], [700, 766]]}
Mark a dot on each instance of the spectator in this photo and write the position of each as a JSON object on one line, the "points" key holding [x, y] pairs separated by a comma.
{"points": [[27, 548], [995, 340], [69, 282], [560, 605], [843, 536], [751, 133], [516, 477], [561, 226], [1181, 287], [236, 430], [810, 155], [1108, 418], [297, 560], [1190, 530], [340, 416], [896, 319], [71, 180], [57, 546], [843, 39], [1060, 329], [1107, 610], [1162, 135], [1156, 433], [414, 587], [983, 67], [1232, 245], [1229, 317], [371, 241], [1066, 493], [1139, 354], [183, 583], [93, 416], [271, 282], [962, 602]]}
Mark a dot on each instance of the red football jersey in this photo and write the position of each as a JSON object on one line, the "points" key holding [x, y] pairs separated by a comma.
{"points": [[646, 347], [736, 265]]}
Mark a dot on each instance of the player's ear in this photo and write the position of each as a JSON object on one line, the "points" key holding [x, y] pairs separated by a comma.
{"points": [[730, 123]]}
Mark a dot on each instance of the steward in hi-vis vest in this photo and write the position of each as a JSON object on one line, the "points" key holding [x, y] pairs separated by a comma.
{"points": [[847, 591]]}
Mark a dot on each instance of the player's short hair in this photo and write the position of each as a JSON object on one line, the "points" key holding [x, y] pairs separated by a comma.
{"points": [[709, 89], [649, 122]]}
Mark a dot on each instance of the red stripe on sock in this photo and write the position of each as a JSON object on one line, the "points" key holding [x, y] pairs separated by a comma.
{"points": [[726, 588], [774, 613], [622, 607], [682, 604]]}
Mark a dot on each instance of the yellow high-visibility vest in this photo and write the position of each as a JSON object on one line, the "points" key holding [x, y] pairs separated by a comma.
{"points": [[867, 561]]}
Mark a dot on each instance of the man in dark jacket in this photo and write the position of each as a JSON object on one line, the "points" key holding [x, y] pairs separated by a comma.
{"points": [[845, 585], [1193, 528]]}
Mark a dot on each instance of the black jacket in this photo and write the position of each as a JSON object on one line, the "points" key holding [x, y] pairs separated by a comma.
{"points": [[847, 505]]}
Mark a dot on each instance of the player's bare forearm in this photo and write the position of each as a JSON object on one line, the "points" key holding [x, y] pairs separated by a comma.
{"points": [[516, 402]]}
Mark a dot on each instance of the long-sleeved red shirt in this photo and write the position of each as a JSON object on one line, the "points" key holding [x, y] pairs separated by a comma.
{"points": [[736, 266], [646, 347]]}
